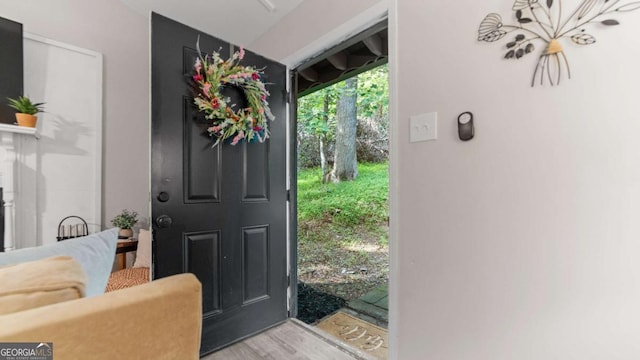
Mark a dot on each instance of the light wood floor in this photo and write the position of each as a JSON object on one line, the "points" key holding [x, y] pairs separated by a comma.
{"points": [[291, 340]]}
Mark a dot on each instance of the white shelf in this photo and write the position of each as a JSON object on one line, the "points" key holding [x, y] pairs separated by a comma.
{"points": [[19, 130]]}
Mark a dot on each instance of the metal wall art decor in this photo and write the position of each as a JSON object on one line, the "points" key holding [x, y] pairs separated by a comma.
{"points": [[543, 21]]}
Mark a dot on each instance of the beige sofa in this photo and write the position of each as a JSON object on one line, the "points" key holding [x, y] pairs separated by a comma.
{"points": [[158, 320]]}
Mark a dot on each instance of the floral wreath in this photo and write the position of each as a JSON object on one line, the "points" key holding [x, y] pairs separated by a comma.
{"points": [[212, 74]]}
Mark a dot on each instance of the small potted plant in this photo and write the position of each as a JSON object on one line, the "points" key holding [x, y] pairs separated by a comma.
{"points": [[125, 221], [26, 110]]}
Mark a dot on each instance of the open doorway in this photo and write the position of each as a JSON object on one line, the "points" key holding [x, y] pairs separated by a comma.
{"points": [[343, 197], [342, 168]]}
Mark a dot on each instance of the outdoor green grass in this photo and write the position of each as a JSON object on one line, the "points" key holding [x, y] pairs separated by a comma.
{"points": [[343, 229], [364, 201]]}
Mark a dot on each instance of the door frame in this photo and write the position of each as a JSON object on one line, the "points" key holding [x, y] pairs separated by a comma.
{"points": [[292, 191], [366, 19]]}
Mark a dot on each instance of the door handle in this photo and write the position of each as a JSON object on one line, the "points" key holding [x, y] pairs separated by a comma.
{"points": [[164, 221]]}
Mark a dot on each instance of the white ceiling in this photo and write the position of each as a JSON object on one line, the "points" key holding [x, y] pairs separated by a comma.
{"points": [[238, 21]]}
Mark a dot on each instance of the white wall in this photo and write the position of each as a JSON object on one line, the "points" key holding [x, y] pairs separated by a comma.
{"points": [[522, 243], [69, 149], [122, 36]]}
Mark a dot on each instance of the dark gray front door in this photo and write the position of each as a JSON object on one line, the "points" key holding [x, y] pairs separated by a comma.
{"points": [[218, 212]]}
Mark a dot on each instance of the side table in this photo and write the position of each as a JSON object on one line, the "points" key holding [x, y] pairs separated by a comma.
{"points": [[125, 246]]}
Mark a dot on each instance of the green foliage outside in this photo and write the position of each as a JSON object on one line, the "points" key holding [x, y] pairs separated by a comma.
{"points": [[373, 99], [373, 93], [372, 103]]}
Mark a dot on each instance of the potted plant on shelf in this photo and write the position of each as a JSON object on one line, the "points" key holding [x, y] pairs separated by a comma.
{"points": [[26, 110], [125, 221]]}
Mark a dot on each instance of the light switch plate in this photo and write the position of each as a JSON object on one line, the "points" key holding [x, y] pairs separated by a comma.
{"points": [[424, 127]]}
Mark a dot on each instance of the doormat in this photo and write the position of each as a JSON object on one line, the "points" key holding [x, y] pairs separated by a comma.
{"points": [[366, 337]]}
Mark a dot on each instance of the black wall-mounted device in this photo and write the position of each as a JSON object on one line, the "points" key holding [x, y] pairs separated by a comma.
{"points": [[465, 126]]}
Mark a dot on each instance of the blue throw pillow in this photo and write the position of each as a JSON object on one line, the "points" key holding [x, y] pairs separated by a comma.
{"points": [[94, 252]]}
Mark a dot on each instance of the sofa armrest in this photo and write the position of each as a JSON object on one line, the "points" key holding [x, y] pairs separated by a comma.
{"points": [[158, 320]]}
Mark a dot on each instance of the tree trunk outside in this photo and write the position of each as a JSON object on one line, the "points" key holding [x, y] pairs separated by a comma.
{"points": [[323, 136], [345, 167]]}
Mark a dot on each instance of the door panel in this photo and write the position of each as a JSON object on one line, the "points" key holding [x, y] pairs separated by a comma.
{"points": [[202, 169], [256, 173], [227, 204], [202, 258], [255, 260]]}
